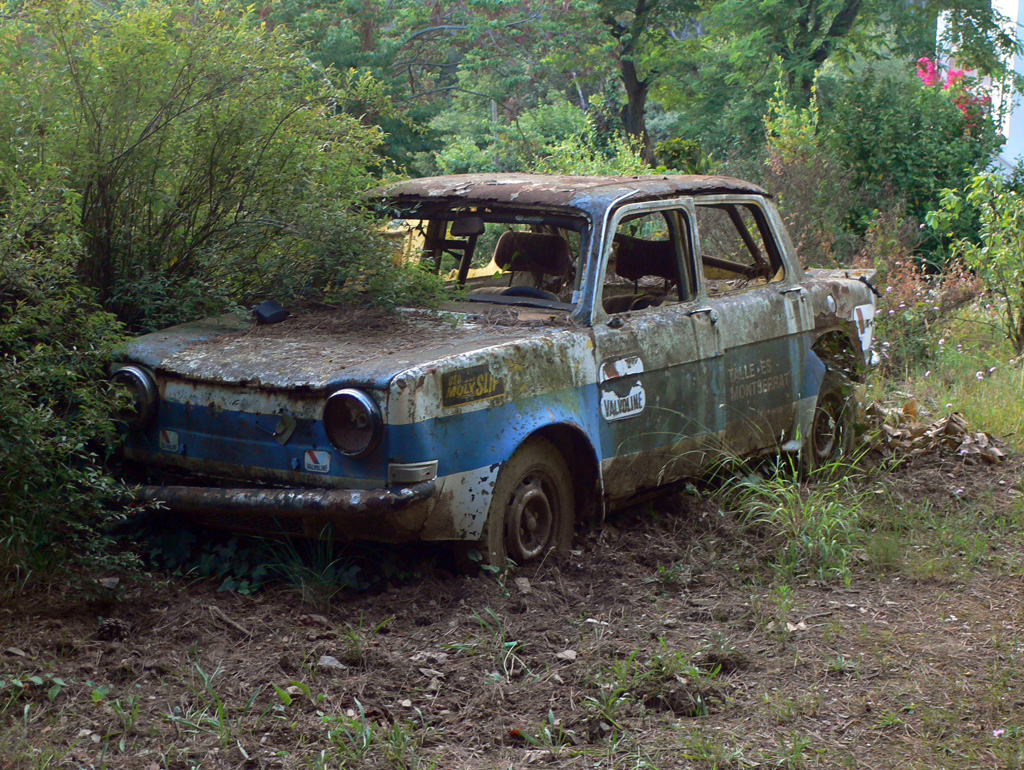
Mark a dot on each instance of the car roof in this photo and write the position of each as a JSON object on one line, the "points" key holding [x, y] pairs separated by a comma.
{"points": [[585, 193]]}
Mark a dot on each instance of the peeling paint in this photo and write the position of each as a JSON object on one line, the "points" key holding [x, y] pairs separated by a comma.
{"points": [[652, 394]]}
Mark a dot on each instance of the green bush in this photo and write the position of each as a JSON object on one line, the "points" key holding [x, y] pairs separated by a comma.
{"points": [[900, 138], [997, 257], [213, 162], [53, 408]]}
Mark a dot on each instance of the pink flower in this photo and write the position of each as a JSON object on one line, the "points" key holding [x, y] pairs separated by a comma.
{"points": [[953, 77], [927, 72]]}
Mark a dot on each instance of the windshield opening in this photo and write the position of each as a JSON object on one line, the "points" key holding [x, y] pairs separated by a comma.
{"points": [[507, 256]]}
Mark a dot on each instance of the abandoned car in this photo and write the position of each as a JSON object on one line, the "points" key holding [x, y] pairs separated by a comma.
{"points": [[612, 335]]}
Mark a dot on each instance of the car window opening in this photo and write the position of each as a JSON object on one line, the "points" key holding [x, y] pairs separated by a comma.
{"points": [[500, 256], [646, 264], [737, 250]]}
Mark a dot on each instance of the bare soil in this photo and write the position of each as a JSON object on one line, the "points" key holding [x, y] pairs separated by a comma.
{"points": [[662, 641]]}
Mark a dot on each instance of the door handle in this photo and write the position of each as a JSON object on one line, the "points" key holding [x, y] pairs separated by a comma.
{"points": [[799, 290], [712, 313]]}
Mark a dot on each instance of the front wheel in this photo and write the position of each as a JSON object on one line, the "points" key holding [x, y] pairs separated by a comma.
{"points": [[831, 436], [532, 508]]}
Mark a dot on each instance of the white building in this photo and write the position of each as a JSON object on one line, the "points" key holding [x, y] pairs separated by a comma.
{"points": [[1013, 113], [1006, 108]]}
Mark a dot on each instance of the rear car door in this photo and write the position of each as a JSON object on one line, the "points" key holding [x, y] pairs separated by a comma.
{"points": [[752, 290]]}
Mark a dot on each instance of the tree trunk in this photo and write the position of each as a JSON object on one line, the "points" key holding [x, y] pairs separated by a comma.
{"points": [[634, 111]]}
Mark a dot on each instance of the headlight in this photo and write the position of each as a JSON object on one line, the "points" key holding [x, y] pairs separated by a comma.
{"points": [[353, 422], [141, 394]]}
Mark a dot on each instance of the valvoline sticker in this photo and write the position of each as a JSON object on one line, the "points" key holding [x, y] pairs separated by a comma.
{"points": [[317, 461], [169, 441]]}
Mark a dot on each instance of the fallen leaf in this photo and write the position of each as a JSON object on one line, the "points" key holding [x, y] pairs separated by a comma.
{"points": [[523, 584], [566, 655], [16, 651]]}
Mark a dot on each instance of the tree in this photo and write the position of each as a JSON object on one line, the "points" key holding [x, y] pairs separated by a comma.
{"points": [[728, 72], [212, 160]]}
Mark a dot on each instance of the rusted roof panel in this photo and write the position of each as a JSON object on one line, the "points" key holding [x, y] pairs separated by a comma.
{"points": [[578, 192]]}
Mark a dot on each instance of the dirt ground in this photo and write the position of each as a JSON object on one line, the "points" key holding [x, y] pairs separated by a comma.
{"points": [[662, 641]]}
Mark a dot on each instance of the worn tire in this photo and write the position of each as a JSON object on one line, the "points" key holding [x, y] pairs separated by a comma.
{"points": [[831, 436], [532, 507]]}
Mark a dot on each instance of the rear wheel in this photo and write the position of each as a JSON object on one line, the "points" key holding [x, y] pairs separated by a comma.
{"points": [[532, 508], [831, 436]]}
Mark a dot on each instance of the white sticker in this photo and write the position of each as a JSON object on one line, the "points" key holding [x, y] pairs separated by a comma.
{"points": [[615, 407], [864, 317], [169, 441], [612, 370], [317, 461]]}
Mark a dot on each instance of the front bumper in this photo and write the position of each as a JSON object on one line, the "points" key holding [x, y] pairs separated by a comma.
{"points": [[392, 514]]}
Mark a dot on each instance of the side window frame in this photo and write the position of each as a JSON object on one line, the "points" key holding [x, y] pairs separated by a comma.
{"points": [[684, 233], [776, 250]]}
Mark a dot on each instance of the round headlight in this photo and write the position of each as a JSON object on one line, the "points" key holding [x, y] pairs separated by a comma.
{"points": [[140, 396], [353, 422]]}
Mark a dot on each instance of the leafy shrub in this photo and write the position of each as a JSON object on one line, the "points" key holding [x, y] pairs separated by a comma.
{"points": [[878, 144], [53, 347], [556, 138], [809, 181], [212, 161], [916, 301], [899, 137], [998, 256]]}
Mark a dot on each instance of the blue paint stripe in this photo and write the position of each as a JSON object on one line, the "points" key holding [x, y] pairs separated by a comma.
{"points": [[676, 407]]}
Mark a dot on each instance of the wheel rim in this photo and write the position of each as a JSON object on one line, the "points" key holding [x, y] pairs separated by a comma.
{"points": [[827, 429], [530, 518]]}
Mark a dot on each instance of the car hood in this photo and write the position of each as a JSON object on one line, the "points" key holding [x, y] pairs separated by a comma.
{"points": [[327, 348]]}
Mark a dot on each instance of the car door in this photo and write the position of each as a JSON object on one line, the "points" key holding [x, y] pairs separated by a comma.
{"points": [[657, 350], [762, 317]]}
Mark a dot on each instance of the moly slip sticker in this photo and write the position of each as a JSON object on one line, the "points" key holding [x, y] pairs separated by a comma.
{"points": [[475, 383]]}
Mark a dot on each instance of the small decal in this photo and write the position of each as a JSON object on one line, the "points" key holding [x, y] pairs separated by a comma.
{"points": [[864, 316], [623, 367], [616, 407], [317, 461], [465, 386], [169, 441]]}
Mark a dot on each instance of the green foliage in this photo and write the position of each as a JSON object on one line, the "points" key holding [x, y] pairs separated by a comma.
{"points": [[870, 148], [897, 136], [212, 161], [53, 349], [238, 564], [814, 530], [999, 257]]}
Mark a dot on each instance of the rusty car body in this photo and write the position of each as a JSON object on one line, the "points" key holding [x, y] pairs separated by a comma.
{"points": [[636, 328]]}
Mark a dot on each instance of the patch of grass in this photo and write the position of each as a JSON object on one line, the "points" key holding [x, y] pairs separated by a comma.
{"points": [[713, 751], [552, 736], [813, 529], [786, 709], [929, 541], [316, 569], [840, 665], [793, 753], [971, 372], [352, 737]]}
